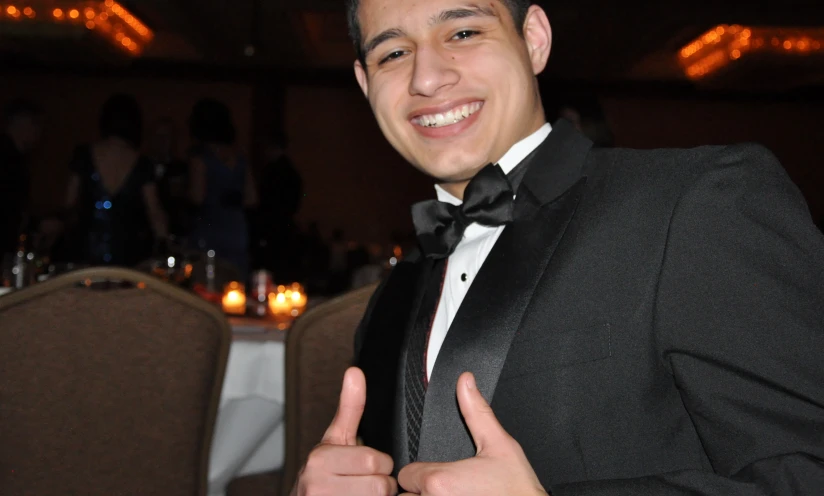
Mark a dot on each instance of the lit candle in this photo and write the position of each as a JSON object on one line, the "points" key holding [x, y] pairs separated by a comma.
{"points": [[234, 299], [279, 304], [298, 300]]}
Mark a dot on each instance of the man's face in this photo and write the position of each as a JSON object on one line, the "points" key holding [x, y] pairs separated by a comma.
{"points": [[452, 82]]}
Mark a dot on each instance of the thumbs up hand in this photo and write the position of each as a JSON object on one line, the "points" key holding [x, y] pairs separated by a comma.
{"points": [[498, 467], [338, 465]]}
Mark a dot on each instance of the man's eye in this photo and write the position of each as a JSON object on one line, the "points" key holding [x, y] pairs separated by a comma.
{"points": [[466, 33], [392, 56]]}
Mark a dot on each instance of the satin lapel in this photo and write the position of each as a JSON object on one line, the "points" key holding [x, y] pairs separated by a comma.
{"points": [[479, 337], [384, 354], [424, 268]]}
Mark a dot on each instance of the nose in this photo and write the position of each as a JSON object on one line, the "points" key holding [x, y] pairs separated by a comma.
{"points": [[432, 71]]}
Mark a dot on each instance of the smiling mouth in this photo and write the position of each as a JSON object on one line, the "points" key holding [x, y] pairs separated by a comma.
{"points": [[449, 118]]}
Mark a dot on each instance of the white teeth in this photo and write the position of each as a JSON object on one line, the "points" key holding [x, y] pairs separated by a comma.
{"points": [[451, 117]]}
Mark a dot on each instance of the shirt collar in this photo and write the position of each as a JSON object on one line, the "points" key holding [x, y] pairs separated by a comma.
{"points": [[511, 158]]}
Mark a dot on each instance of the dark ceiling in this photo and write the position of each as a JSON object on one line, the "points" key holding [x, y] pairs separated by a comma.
{"points": [[594, 40]]}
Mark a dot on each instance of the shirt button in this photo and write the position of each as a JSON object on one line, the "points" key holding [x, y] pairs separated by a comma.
{"points": [[463, 277]]}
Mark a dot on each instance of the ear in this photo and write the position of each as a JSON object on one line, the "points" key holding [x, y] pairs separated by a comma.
{"points": [[363, 80], [538, 36]]}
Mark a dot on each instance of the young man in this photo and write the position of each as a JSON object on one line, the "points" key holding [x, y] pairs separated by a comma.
{"points": [[19, 136], [632, 322]]}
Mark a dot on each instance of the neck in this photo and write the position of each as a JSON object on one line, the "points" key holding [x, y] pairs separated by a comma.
{"points": [[457, 188]]}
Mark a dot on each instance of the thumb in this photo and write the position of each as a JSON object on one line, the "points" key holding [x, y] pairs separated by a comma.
{"points": [[344, 427], [484, 427]]}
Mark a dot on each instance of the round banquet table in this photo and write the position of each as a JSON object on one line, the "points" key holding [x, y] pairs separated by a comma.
{"points": [[249, 432]]}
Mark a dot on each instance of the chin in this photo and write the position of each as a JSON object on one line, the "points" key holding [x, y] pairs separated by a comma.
{"points": [[450, 169]]}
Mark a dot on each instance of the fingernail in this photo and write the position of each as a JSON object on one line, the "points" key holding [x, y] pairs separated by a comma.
{"points": [[470, 382]]}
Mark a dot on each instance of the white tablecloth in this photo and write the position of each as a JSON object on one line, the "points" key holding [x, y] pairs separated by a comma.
{"points": [[249, 433]]}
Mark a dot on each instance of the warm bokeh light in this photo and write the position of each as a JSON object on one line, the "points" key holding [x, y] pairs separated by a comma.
{"points": [[234, 299], [279, 305], [724, 44], [109, 19]]}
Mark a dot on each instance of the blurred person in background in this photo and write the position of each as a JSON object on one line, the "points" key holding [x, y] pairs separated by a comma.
{"points": [[281, 191], [20, 134], [339, 276], [170, 175], [114, 213], [585, 112], [314, 260], [367, 265], [221, 187]]}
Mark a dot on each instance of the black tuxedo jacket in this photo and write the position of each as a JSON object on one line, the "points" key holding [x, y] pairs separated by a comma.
{"points": [[651, 323]]}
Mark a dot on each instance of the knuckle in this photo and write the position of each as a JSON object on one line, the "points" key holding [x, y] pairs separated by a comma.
{"points": [[437, 482], [315, 459], [381, 486], [371, 462]]}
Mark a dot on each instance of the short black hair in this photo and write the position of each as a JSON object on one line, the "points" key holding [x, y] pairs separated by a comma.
{"points": [[517, 8], [122, 117], [211, 122], [20, 107]]}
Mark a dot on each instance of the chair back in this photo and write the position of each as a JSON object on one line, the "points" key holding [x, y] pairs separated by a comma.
{"points": [[319, 349], [110, 384]]}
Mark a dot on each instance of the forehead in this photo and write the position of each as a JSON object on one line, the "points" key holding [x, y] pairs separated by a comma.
{"points": [[377, 15]]}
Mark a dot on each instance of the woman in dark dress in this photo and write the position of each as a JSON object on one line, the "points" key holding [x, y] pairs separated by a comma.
{"points": [[221, 186], [115, 212]]}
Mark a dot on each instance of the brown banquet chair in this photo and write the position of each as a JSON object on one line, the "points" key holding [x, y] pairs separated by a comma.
{"points": [[319, 349], [109, 384]]}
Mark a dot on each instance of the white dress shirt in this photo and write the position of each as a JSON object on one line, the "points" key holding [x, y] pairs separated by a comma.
{"points": [[472, 250]]}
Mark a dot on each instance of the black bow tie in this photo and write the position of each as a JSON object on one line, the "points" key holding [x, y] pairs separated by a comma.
{"points": [[488, 200]]}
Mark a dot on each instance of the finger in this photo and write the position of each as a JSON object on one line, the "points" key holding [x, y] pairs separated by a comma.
{"points": [[424, 478], [355, 485], [368, 485], [484, 427], [349, 460], [344, 427]]}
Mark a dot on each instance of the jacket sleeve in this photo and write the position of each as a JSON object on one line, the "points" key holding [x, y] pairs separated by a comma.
{"points": [[739, 323]]}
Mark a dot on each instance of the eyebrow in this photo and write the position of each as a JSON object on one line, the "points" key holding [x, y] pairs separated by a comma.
{"points": [[462, 13], [443, 16], [387, 35]]}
